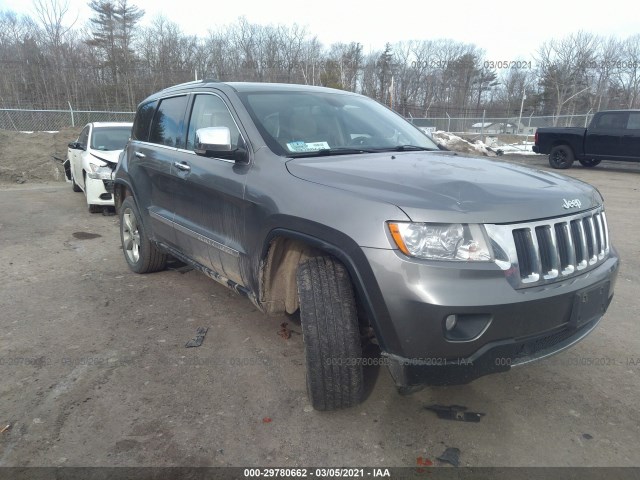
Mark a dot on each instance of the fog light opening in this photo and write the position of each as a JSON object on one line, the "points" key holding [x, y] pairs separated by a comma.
{"points": [[450, 323], [465, 327]]}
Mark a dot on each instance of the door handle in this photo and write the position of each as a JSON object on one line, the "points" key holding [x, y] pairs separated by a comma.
{"points": [[140, 155], [182, 166]]}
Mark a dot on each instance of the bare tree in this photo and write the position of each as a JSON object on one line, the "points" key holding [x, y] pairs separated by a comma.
{"points": [[565, 66], [51, 15]]}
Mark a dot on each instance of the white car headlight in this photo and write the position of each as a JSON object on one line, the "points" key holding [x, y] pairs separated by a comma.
{"points": [[441, 241], [100, 172]]}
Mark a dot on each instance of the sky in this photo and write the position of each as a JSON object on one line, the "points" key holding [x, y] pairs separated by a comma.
{"points": [[507, 30]]}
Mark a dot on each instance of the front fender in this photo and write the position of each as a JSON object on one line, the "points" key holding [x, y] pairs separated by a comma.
{"points": [[347, 251]]}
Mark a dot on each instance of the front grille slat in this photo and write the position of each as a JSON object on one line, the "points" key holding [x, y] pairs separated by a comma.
{"points": [[606, 233], [527, 247], [547, 246], [557, 249], [592, 243], [600, 229], [580, 242]]}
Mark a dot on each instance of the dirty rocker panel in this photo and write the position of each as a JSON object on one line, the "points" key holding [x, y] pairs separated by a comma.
{"points": [[196, 235]]}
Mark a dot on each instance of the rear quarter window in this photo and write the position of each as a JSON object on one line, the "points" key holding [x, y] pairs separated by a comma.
{"points": [[142, 122]]}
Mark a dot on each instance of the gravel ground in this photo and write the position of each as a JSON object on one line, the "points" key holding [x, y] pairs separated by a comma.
{"points": [[95, 372]]}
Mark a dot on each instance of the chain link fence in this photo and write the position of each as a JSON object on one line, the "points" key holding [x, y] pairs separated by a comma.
{"points": [[49, 120], [526, 125]]}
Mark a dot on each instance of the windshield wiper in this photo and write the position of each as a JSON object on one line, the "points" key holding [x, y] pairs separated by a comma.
{"points": [[406, 148], [330, 151]]}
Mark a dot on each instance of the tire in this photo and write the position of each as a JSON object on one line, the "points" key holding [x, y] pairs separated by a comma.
{"points": [[330, 333], [74, 185], [95, 208], [141, 255], [561, 157], [589, 162]]}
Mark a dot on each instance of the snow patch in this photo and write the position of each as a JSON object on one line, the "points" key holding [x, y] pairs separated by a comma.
{"points": [[459, 144]]}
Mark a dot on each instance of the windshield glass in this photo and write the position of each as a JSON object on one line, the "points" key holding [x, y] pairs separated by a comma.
{"points": [[110, 138], [303, 123]]}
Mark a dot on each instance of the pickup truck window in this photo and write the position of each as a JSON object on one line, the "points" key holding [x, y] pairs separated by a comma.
{"points": [[612, 121], [634, 121], [166, 128]]}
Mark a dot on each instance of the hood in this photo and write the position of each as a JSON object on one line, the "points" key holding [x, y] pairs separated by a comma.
{"points": [[109, 156], [443, 187]]}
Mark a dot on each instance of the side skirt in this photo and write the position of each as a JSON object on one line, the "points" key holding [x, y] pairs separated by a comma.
{"points": [[217, 276]]}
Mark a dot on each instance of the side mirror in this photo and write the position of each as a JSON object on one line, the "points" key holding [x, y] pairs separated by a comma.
{"points": [[216, 142], [74, 145], [213, 140]]}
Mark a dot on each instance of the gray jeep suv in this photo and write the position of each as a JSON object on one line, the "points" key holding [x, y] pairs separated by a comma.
{"points": [[323, 201]]}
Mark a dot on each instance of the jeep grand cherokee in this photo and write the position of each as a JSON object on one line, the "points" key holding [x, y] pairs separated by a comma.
{"points": [[323, 201]]}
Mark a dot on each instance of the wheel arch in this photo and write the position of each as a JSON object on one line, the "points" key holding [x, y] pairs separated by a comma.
{"points": [[284, 249], [561, 143], [122, 190]]}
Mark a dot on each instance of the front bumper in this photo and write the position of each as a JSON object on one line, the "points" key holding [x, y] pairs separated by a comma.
{"points": [[99, 191], [494, 357], [520, 325]]}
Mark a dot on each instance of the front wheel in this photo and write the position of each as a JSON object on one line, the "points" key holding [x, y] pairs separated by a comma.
{"points": [[561, 157], [589, 162], [331, 334], [141, 255]]}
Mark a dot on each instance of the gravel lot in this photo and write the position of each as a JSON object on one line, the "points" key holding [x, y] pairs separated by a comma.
{"points": [[95, 372]]}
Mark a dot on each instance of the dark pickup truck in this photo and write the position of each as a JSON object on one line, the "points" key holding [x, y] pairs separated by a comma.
{"points": [[611, 135]]}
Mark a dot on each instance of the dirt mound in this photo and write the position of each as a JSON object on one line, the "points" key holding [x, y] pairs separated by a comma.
{"points": [[29, 157]]}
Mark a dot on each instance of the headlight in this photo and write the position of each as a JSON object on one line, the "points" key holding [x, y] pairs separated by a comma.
{"points": [[438, 241], [100, 172]]}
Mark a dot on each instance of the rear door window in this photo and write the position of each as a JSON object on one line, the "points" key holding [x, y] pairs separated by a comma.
{"points": [[612, 121], [167, 126], [634, 121]]}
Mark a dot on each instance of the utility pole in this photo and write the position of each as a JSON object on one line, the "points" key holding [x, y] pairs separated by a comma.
{"points": [[524, 95]]}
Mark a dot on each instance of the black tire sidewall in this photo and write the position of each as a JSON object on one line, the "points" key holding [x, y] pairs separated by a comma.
{"points": [[330, 332], [568, 153], [590, 163]]}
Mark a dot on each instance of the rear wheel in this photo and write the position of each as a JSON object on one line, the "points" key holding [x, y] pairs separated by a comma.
{"points": [[95, 208], [561, 157], [331, 334], [589, 162], [141, 255]]}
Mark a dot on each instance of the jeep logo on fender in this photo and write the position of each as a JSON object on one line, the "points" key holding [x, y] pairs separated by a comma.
{"points": [[575, 203]]}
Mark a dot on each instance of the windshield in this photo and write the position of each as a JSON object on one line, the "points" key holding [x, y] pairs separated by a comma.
{"points": [[303, 123], [110, 138]]}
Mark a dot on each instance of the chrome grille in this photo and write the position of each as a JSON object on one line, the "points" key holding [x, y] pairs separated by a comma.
{"points": [[551, 250]]}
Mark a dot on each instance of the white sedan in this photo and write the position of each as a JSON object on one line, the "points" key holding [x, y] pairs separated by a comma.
{"points": [[93, 158]]}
